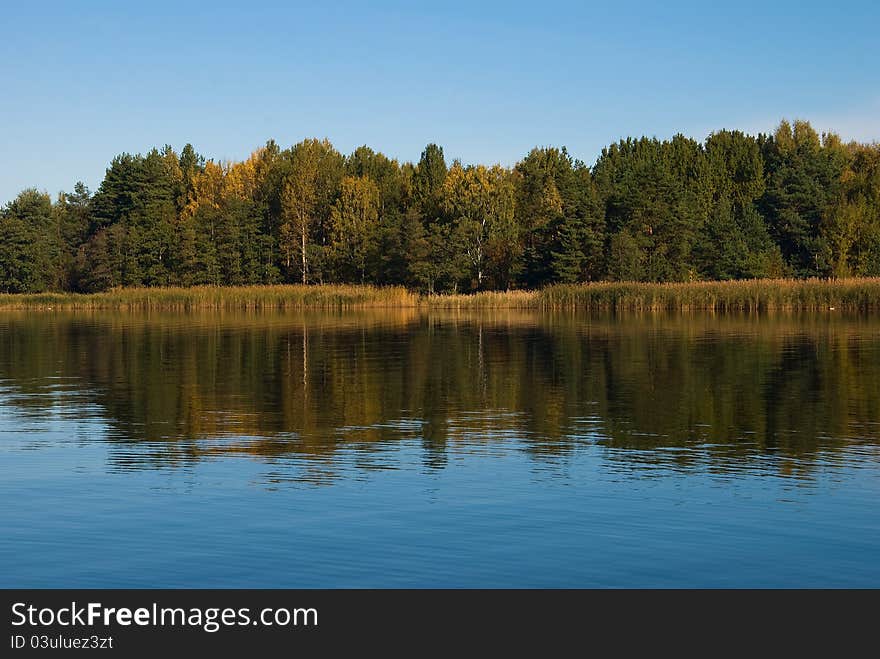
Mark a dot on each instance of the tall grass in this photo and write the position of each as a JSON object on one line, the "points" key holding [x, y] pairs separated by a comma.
{"points": [[746, 295], [485, 300], [231, 297], [743, 295]]}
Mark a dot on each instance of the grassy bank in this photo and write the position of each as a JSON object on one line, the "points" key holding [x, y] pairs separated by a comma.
{"points": [[745, 295], [213, 297], [750, 295]]}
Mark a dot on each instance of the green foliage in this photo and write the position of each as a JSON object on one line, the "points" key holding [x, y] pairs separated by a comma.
{"points": [[735, 166], [794, 203], [803, 183], [312, 171], [354, 221], [428, 179], [736, 244], [29, 244], [625, 258], [660, 193]]}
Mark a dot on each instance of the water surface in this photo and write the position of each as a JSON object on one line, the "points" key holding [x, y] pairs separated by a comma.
{"points": [[399, 448]]}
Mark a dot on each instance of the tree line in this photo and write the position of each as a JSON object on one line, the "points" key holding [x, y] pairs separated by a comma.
{"points": [[792, 203]]}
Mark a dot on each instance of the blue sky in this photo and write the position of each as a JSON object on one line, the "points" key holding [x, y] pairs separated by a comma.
{"points": [[84, 81]]}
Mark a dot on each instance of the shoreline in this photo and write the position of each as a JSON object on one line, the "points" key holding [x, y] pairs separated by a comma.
{"points": [[856, 294]]}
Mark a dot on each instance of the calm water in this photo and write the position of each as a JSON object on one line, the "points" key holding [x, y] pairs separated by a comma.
{"points": [[402, 449]]}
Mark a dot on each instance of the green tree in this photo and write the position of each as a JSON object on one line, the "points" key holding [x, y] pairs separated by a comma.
{"points": [[481, 205], [313, 171], [354, 224], [625, 258], [803, 183], [428, 180], [101, 260], [29, 244], [73, 209], [660, 193], [560, 219]]}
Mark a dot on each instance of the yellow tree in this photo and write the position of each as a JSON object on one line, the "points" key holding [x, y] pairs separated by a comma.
{"points": [[244, 179], [207, 188]]}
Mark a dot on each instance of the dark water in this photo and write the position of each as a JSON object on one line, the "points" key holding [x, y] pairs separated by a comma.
{"points": [[400, 449]]}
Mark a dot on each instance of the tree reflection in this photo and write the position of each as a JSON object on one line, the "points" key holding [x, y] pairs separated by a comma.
{"points": [[682, 390]]}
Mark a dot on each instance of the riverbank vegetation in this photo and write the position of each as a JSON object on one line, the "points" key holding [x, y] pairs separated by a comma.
{"points": [[792, 204], [744, 295]]}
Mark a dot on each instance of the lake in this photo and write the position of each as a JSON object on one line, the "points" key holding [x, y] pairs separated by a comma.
{"points": [[404, 448]]}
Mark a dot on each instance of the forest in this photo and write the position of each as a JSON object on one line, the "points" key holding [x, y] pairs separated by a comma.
{"points": [[789, 204]]}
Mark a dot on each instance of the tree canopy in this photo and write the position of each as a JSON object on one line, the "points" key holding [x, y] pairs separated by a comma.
{"points": [[790, 203]]}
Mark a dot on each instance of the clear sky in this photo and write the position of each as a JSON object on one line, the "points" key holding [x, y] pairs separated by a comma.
{"points": [[83, 81]]}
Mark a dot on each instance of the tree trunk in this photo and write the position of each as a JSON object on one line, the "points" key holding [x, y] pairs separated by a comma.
{"points": [[303, 253]]}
